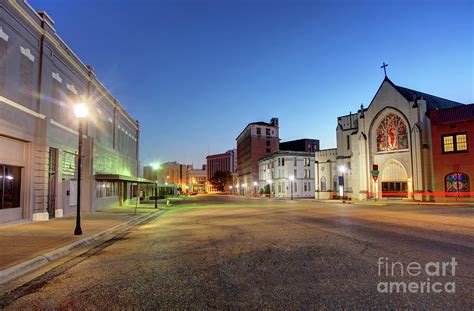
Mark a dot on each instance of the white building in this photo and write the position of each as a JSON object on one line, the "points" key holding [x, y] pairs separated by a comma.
{"points": [[391, 139], [287, 173]]}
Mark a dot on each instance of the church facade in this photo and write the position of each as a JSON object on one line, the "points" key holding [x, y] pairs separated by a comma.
{"points": [[383, 151]]}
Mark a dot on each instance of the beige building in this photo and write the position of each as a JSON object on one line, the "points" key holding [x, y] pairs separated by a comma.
{"points": [[40, 81], [197, 180]]}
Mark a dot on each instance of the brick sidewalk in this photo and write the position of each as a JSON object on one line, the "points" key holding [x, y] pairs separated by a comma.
{"points": [[23, 241]]}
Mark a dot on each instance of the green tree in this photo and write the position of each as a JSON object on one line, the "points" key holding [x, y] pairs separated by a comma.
{"points": [[221, 179], [267, 189]]}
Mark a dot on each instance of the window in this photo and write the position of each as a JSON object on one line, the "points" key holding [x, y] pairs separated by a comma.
{"points": [[323, 183], [305, 187], [461, 142], [392, 134], [267, 132], [294, 186], [348, 142], [106, 189], [268, 143], [448, 144], [294, 173], [10, 186], [268, 150], [282, 161], [56, 101], [26, 81], [259, 131], [457, 184], [454, 142], [295, 162]]}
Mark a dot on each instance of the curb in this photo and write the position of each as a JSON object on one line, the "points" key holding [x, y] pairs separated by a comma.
{"points": [[24, 267]]}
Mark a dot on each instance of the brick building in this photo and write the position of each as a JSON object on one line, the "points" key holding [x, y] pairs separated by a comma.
{"points": [[257, 140], [452, 133], [224, 162]]}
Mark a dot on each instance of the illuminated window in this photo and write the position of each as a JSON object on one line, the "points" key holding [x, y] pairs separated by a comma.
{"points": [[454, 143], [10, 186], [461, 142], [392, 134], [448, 143]]}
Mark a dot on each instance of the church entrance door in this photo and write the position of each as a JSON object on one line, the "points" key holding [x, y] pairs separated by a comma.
{"points": [[395, 189], [394, 180]]}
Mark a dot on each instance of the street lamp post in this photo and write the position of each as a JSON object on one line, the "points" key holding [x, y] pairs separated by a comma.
{"points": [[292, 178], [80, 111], [156, 168]]}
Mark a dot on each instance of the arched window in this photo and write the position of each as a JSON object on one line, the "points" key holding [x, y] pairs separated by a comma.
{"points": [[323, 183], [334, 183], [456, 183], [392, 133]]}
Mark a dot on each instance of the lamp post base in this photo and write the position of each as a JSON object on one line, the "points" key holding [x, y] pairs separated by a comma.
{"points": [[78, 231]]}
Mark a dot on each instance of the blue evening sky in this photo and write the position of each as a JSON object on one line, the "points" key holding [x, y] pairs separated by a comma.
{"points": [[194, 73]]}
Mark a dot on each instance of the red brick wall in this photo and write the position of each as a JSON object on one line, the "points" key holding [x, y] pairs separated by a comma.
{"points": [[259, 150], [447, 163]]}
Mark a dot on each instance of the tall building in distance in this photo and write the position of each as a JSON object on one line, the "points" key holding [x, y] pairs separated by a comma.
{"points": [[172, 173], [257, 140], [224, 162]]}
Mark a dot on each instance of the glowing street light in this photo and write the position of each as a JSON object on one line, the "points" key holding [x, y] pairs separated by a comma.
{"points": [[156, 167], [80, 111], [292, 178]]}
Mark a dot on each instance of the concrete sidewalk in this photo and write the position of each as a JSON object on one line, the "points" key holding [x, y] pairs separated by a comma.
{"points": [[24, 244]]}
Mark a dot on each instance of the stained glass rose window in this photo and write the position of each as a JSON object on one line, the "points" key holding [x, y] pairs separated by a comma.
{"points": [[392, 133]]}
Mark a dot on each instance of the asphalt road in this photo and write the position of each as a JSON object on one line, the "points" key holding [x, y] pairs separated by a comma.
{"points": [[222, 253]]}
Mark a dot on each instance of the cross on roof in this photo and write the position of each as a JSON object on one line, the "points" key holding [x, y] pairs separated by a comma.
{"points": [[384, 66]]}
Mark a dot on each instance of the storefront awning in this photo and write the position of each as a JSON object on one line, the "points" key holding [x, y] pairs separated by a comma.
{"points": [[116, 177]]}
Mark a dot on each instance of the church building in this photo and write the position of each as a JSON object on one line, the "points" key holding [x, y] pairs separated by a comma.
{"points": [[384, 150]]}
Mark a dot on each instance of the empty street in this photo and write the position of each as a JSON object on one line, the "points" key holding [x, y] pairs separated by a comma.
{"points": [[226, 252]]}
